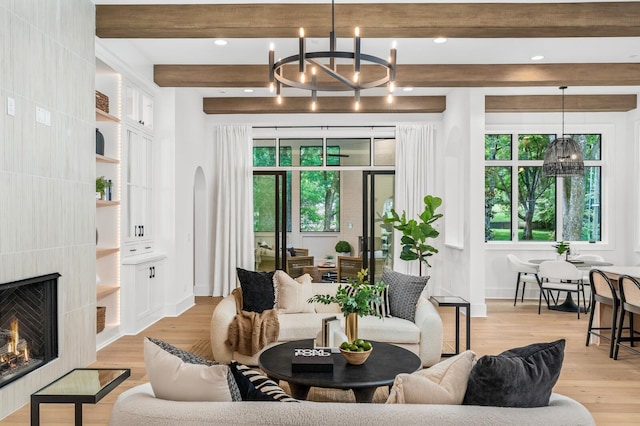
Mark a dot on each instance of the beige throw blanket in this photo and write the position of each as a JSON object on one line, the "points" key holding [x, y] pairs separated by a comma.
{"points": [[251, 331]]}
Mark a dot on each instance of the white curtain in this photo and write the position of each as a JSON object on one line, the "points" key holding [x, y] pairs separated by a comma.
{"points": [[415, 178], [232, 212]]}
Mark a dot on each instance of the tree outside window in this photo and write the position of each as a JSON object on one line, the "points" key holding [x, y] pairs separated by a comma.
{"points": [[537, 204]]}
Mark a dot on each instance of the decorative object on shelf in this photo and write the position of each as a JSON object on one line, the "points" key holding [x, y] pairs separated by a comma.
{"points": [[102, 102], [343, 248], [357, 298], [356, 352], [563, 247], [101, 314], [563, 157], [109, 189], [101, 186], [415, 234], [99, 142], [384, 73]]}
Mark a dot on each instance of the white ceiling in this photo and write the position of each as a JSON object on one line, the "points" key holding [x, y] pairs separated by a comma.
{"points": [[410, 51]]}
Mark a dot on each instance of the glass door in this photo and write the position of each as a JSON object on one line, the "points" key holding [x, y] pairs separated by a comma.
{"points": [[269, 219], [377, 201]]}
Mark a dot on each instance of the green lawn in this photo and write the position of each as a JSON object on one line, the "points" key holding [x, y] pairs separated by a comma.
{"points": [[505, 235]]}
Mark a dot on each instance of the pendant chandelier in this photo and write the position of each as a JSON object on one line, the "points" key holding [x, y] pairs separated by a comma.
{"points": [[326, 61], [563, 156]]}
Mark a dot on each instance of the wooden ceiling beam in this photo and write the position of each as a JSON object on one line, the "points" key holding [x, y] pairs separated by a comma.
{"points": [[553, 103], [332, 104], [379, 20], [449, 75]]}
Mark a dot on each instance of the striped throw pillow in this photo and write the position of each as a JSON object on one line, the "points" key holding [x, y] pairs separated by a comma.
{"points": [[381, 308], [256, 387]]}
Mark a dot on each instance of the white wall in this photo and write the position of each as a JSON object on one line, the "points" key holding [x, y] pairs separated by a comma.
{"points": [[47, 208], [182, 142], [619, 192], [463, 255]]}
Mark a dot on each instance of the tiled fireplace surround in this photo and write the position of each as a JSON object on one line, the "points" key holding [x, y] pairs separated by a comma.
{"points": [[47, 207]]}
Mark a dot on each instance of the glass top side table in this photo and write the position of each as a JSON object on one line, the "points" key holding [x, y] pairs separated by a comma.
{"points": [[457, 302], [79, 386]]}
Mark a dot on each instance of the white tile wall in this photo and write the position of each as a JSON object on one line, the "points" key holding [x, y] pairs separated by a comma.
{"points": [[47, 204]]}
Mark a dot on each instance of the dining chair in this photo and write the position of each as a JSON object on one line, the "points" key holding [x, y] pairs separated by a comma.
{"points": [[603, 293], [629, 289], [527, 273], [596, 257], [296, 264], [348, 268], [559, 275]]}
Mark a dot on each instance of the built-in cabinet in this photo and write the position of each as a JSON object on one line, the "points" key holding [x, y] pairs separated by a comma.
{"points": [[143, 297], [130, 275], [138, 223]]}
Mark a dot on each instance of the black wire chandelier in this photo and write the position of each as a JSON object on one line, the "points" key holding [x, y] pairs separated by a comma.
{"points": [[318, 61], [563, 157]]}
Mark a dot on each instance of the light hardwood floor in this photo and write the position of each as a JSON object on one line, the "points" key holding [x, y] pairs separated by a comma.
{"points": [[609, 389]]}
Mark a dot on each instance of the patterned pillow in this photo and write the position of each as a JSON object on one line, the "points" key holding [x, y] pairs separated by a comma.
{"points": [[258, 292], [404, 292], [256, 387], [191, 358], [381, 308]]}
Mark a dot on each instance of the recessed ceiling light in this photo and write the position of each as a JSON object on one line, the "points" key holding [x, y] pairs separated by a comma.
{"points": [[537, 58], [220, 42], [407, 89], [248, 90], [440, 40]]}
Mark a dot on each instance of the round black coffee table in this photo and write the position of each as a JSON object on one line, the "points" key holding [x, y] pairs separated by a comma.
{"points": [[385, 362]]}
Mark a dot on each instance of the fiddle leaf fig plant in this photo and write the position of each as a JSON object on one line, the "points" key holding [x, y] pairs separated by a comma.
{"points": [[416, 232]]}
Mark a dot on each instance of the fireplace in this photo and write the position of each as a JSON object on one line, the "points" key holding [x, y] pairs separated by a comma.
{"points": [[28, 325]]}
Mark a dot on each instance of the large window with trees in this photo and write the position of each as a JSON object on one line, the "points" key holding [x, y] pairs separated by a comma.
{"points": [[521, 204]]}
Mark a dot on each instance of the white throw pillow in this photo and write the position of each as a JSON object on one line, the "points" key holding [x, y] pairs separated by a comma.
{"points": [[175, 380], [444, 383], [293, 293]]}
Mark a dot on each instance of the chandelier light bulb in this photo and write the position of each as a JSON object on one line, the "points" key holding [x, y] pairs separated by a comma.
{"points": [[392, 87], [313, 106], [389, 98], [357, 31], [272, 87], [357, 106], [271, 46], [356, 77], [302, 79], [279, 99], [301, 32]]}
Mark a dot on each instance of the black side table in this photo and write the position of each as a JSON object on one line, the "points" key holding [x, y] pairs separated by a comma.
{"points": [[79, 386], [457, 302]]}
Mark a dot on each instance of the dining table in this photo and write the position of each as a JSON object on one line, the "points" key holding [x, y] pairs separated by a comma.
{"points": [[569, 305]]}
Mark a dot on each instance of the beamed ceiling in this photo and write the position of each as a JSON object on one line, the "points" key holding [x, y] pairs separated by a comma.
{"points": [[383, 22]]}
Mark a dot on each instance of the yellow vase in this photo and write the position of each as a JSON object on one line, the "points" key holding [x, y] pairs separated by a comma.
{"points": [[351, 327]]}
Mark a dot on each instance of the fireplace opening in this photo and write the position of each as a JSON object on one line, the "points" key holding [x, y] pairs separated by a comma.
{"points": [[28, 325]]}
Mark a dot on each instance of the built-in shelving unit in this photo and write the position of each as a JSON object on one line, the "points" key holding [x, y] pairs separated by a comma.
{"points": [[108, 211]]}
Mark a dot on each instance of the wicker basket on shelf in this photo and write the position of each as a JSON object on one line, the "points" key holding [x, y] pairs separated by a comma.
{"points": [[102, 101], [101, 313]]}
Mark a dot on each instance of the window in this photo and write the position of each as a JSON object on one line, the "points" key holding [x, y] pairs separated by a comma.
{"points": [[521, 204]]}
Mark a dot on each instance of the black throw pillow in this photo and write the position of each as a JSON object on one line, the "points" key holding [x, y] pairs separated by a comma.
{"points": [[257, 290], [521, 377], [292, 251]]}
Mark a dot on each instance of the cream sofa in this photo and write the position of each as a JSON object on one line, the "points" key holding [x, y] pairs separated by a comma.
{"points": [[138, 406], [423, 336]]}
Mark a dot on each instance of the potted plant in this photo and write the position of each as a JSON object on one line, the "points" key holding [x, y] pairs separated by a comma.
{"points": [[343, 248], [563, 247], [358, 298], [416, 232], [101, 186]]}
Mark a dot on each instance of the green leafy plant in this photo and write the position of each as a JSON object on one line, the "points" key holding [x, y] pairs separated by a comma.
{"points": [[362, 300], [562, 247], [415, 233], [343, 247], [102, 184]]}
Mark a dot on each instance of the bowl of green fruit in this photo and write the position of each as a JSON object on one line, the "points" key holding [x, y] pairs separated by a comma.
{"points": [[357, 352]]}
